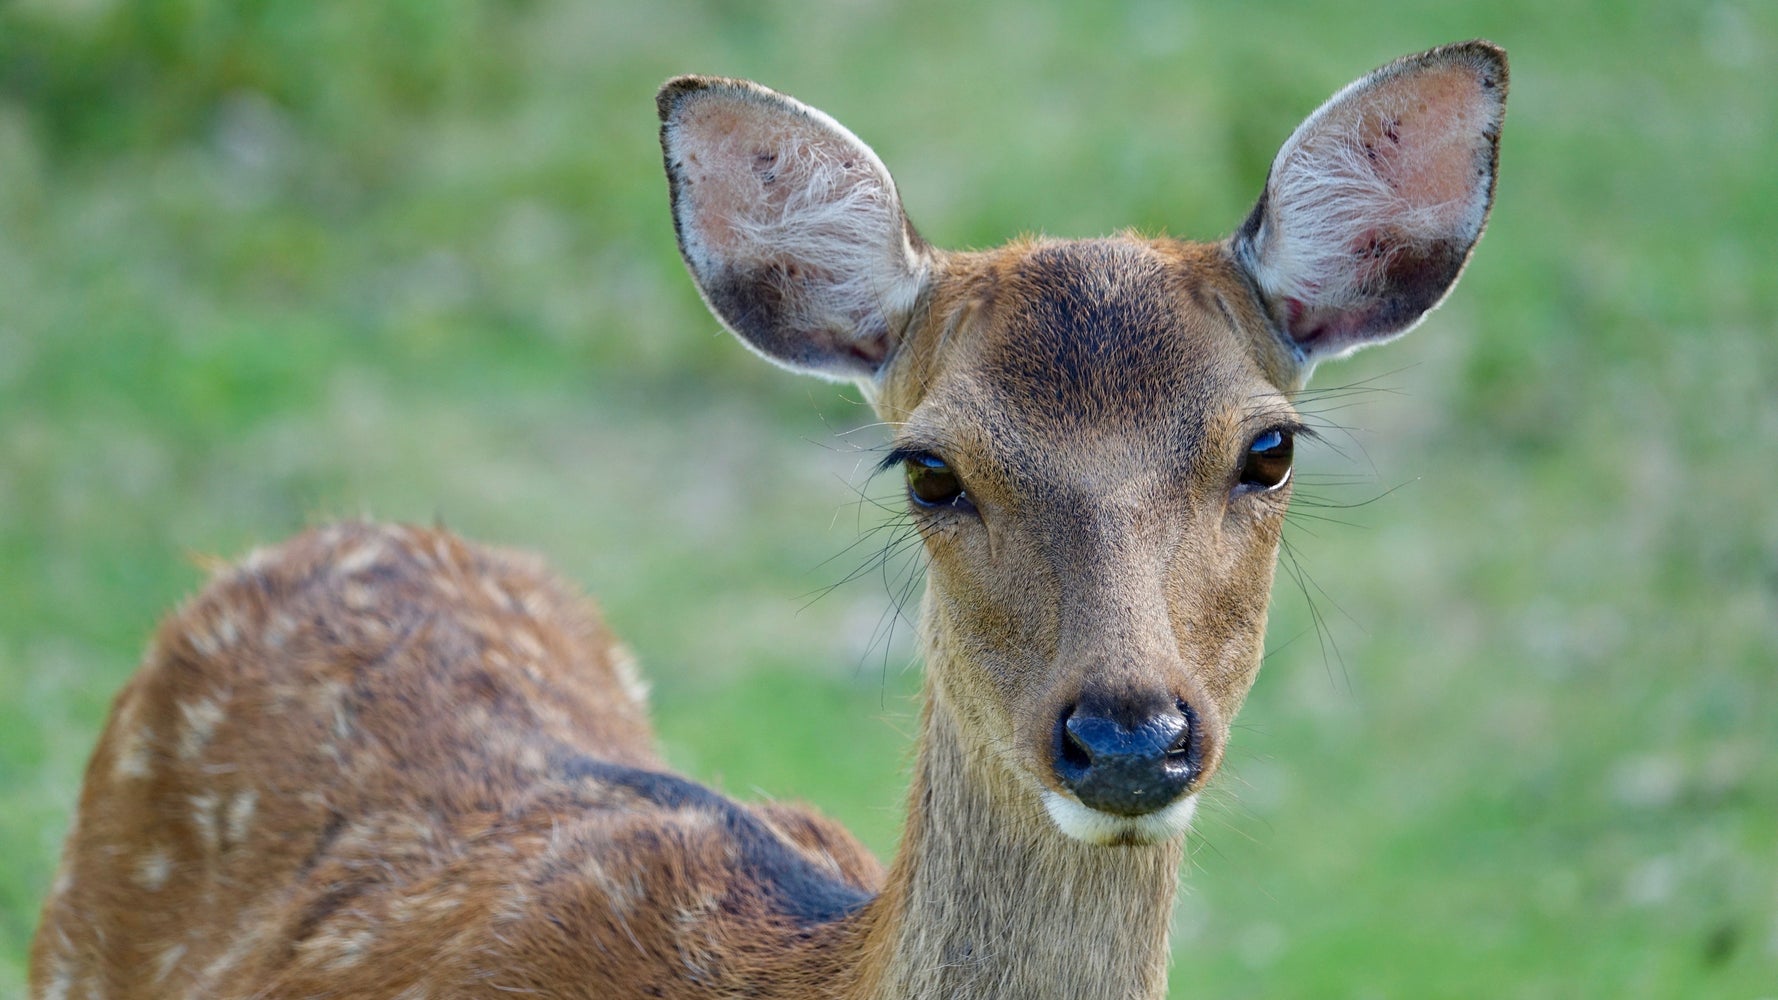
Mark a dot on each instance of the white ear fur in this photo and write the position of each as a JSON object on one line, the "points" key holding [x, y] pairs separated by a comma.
{"points": [[790, 225], [1374, 203]]}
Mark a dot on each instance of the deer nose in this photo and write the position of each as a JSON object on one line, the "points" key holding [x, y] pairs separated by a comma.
{"points": [[1128, 763]]}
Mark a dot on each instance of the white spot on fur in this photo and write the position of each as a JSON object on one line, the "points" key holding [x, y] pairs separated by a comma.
{"points": [[359, 596], [360, 559], [442, 903], [536, 602], [60, 981], [243, 945], [201, 640], [326, 696], [553, 717], [215, 632], [135, 753], [426, 906], [227, 629], [204, 810], [825, 859], [517, 904], [168, 961], [621, 892], [279, 630], [526, 643], [328, 699], [135, 741], [692, 819], [201, 718], [629, 675], [693, 937], [64, 879], [240, 815], [259, 560], [349, 948], [1094, 827], [497, 593], [153, 869], [415, 829]]}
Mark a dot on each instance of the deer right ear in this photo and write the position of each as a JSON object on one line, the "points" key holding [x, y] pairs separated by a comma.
{"points": [[1374, 203], [790, 225]]}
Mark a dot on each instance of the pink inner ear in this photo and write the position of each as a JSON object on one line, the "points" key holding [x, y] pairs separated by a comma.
{"points": [[1419, 132], [727, 159], [791, 226], [764, 182], [1374, 202], [1315, 329]]}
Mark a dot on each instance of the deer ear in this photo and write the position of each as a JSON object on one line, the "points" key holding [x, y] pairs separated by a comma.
{"points": [[790, 225], [1373, 205]]}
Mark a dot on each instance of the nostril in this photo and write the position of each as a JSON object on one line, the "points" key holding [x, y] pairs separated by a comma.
{"points": [[1070, 750], [1188, 748]]}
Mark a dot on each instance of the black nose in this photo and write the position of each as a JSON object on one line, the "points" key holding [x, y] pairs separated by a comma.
{"points": [[1128, 762]]}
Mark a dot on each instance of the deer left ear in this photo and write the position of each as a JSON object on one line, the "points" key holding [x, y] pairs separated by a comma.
{"points": [[790, 225], [1374, 203]]}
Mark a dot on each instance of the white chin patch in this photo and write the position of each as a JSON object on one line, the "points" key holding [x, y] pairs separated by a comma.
{"points": [[1095, 827]]}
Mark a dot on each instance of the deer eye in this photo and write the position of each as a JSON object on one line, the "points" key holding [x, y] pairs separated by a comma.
{"points": [[1266, 466], [932, 483]]}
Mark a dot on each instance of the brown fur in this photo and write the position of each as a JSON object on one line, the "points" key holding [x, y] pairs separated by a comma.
{"points": [[362, 740], [379, 762]]}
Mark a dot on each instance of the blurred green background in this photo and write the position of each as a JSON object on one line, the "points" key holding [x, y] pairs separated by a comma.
{"points": [[264, 263]]}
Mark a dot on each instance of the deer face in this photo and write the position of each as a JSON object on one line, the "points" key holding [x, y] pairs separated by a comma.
{"points": [[1097, 451], [1096, 435]]}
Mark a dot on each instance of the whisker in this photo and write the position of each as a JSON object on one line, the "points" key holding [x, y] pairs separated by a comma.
{"points": [[1323, 631]]}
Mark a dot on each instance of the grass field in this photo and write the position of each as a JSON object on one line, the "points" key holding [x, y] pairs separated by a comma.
{"points": [[263, 263]]}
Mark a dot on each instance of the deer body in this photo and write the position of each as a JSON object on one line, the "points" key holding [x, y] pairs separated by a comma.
{"points": [[382, 762]]}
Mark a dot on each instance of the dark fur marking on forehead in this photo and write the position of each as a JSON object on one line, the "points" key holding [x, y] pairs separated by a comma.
{"points": [[1096, 335]]}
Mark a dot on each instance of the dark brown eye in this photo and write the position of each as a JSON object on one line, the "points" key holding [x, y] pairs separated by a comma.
{"points": [[932, 483], [1267, 463]]}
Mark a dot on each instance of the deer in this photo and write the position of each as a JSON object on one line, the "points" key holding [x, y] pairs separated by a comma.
{"points": [[380, 761]]}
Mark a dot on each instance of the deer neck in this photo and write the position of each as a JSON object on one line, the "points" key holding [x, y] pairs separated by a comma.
{"points": [[988, 899]]}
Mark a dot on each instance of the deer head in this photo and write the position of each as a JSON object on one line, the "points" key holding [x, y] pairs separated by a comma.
{"points": [[1096, 434]]}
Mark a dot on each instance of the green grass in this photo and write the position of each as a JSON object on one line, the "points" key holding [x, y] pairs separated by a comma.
{"points": [[263, 263]]}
